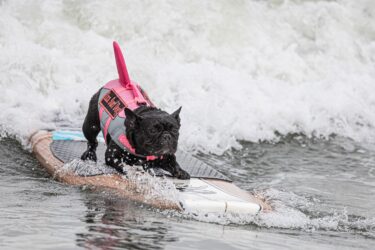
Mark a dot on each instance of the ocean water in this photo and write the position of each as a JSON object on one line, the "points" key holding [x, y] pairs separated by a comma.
{"points": [[278, 95]]}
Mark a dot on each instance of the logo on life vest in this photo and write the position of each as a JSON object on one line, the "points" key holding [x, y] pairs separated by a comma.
{"points": [[112, 104]]}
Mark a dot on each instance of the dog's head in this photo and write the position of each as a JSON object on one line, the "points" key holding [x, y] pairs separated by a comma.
{"points": [[152, 131]]}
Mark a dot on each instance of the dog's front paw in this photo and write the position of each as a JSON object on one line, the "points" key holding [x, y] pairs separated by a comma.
{"points": [[89, 155], [182, 174]]}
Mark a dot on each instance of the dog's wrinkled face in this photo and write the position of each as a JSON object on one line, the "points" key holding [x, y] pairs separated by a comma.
{"points": [[152, 131]]}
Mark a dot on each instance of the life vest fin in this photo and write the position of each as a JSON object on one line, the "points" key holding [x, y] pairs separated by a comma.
{"points": [[121, 66]]}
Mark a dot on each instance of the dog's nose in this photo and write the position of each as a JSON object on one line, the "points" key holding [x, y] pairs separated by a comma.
{"points": [[167, 137]]}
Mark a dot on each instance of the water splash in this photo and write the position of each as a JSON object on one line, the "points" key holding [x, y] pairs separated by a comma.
{"points": [[87, 168], [292, 212], [149, 185], [153, 187]]}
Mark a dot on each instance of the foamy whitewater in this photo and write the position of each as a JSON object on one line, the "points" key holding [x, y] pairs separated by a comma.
{"points": [[241, 70]]}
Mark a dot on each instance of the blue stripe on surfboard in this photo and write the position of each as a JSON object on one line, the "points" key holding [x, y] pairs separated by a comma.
{"points": [[69, 135]]}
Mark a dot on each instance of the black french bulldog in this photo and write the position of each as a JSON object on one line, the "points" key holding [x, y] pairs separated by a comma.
{"points": [[149, 130]]}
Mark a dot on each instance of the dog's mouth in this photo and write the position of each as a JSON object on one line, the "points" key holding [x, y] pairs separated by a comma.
{"points": [[161, 148], [165, 149]]}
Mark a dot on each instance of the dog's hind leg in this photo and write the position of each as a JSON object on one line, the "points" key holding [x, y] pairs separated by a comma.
{"points": [[91, 128]]}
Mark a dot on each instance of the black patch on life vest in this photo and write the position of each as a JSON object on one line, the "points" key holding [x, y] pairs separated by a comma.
{"points": [[112, 104]]}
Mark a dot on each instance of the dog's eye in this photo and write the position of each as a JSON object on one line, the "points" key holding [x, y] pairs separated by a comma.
{"points": [[154, 129], [173, 128]]}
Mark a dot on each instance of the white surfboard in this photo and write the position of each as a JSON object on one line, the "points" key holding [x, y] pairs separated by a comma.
{"points": [[210, 192]]}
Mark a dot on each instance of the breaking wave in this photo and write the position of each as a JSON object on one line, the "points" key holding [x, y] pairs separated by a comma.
{"points": [[241, 70]]}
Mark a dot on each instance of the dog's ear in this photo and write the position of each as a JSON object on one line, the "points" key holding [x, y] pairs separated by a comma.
{"points": [[176, 115], [131, 118]]}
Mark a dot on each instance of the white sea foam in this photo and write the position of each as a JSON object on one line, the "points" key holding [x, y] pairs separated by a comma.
{"points": [[240, 69]]}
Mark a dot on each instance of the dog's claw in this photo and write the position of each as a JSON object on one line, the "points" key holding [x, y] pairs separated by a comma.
{"points": [[89, 155], [183, 175]]}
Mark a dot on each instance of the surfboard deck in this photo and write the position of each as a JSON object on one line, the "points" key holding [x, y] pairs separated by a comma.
{"points": [[212, 192]]}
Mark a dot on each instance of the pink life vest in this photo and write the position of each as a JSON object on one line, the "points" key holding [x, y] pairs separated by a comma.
{"points": [[114, 97]]}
